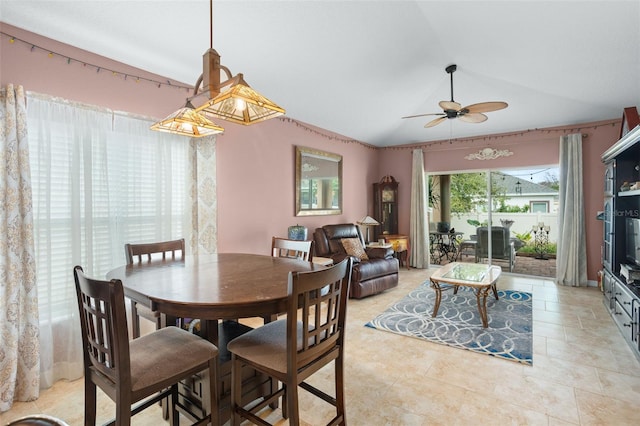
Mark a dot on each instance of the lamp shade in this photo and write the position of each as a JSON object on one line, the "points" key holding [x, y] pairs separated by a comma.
{"points": [[368, 220], [241, 104], [187, 121]]}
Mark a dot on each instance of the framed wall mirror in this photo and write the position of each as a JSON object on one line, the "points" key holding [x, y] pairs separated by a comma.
{"points": [[318, 182]]}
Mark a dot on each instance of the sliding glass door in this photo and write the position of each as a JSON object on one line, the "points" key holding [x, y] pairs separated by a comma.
{"points": [[502, 217]]}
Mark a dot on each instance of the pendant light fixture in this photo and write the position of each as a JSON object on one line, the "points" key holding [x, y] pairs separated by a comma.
{"points": [[238, 103], [188, 122]]}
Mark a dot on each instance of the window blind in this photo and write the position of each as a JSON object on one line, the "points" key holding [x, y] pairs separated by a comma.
{"points": [[99, 180]]}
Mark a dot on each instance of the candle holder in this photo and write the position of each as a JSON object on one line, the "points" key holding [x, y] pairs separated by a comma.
{"points": [[541, 240]]}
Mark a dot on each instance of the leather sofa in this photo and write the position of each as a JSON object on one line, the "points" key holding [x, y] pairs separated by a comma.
{"points": [[368, 277]]}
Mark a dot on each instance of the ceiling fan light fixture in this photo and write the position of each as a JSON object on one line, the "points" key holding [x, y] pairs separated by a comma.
{"points": [[241, 104], [187, 122]]}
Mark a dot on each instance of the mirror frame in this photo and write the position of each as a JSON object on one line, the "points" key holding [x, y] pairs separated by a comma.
{"points": [[328, 156]]}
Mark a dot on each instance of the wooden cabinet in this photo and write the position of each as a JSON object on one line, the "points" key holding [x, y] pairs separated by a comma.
{"points": [[385, 207], [621, 295]]}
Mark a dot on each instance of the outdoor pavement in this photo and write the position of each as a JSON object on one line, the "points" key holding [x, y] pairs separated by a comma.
{"points": [[524, 265]]}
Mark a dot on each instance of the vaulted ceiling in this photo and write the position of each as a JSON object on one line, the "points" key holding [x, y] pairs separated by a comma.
{"points": [[357, 67]]}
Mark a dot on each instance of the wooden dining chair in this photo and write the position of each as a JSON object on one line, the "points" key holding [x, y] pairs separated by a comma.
{"points": [[139, 253], [292, 249], [290, 350], [142, 371], [296, 249]]}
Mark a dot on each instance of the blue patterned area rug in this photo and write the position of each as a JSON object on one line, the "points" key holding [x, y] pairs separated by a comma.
{"points": [[458, 324]]}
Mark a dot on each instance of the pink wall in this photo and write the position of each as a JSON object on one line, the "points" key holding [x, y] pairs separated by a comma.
{"points": [[530, 148], [81, 81], [256, 164], [256, 177]]}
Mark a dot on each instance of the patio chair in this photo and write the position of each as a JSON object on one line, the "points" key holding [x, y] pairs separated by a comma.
{"points": [[501, 245]]}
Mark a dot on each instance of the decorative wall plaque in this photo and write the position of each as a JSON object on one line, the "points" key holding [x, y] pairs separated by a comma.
{"points": [[489, 154]]}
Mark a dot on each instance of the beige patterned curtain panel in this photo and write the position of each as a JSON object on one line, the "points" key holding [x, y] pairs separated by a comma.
{"points": [[203, 196], [19, 343]]}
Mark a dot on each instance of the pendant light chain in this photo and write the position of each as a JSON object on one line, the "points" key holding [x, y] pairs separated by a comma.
{"points": [[211, 24]]}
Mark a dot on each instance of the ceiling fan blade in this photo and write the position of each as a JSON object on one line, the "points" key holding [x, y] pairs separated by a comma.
{"points": [[424, 115], [446, 105], [486, 107], [435, 122], [474, 117]]}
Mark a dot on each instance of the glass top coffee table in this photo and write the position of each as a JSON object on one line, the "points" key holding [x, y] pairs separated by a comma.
{"points": [[479, 277]]}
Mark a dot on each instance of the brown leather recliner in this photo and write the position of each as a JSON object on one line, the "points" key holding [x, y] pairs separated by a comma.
{"points": [[368, 277]]}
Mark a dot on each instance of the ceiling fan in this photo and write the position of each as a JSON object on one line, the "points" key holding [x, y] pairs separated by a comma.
{"points": [[451, 109]]}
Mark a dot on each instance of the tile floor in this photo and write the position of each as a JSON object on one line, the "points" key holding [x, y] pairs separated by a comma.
{"points": [[583, 372]]}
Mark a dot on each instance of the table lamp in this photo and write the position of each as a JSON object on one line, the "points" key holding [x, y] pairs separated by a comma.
{"points": [[368, 222]]}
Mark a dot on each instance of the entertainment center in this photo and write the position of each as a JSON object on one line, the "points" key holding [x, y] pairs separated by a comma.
{"points": [[621, 242]]}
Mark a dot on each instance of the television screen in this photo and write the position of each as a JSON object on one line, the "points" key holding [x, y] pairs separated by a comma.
{"points": [[633, 240]]}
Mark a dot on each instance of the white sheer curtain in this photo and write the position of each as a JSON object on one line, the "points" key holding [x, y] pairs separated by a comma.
{"points": [[418, 221], [100, 179], [572, 251], [19, 344]]}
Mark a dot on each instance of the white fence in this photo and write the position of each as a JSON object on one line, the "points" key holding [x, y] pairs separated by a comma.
{"points": [[522, 223]]}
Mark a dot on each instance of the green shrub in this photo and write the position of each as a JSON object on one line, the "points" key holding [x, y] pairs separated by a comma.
{"points": [[530, 248], [524, 237]]}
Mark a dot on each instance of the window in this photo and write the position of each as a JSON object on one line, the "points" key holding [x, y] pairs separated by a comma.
{"points": [[99, 179], [539, 206]]}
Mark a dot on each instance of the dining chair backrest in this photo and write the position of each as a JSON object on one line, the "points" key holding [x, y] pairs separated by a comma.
{"points": [[139, 253], [320, 300], [162, 249], [282, 247], [104, 327]]}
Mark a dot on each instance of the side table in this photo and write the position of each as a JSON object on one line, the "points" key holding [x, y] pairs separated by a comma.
{"points": [[324, 261], [400, 245], [378, 245]]}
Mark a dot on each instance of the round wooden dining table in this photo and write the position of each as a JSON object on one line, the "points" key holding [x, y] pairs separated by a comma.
{"points": [[212, 287]]}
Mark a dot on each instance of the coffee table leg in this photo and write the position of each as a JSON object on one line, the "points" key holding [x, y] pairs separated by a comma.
{"points": [[438, 291], [482, 305], [495, 292]]}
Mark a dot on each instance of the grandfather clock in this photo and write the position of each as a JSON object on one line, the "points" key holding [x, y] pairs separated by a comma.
{"points": [[385, 207]]}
